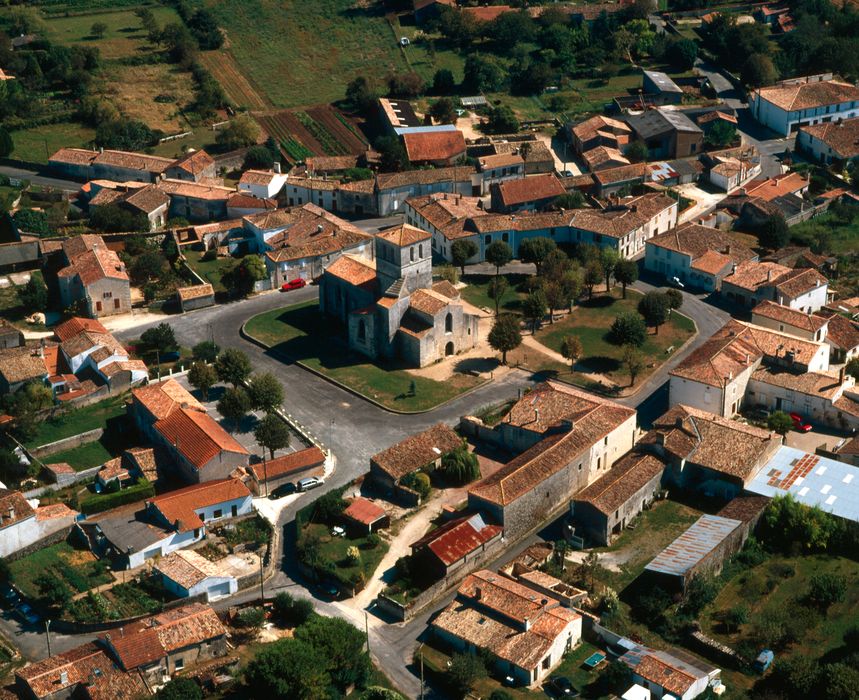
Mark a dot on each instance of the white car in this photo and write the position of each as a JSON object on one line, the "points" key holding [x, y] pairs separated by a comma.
{"points": [[675, 281], [404, 41]]}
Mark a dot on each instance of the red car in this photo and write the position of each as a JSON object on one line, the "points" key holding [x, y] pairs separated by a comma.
{"points": [[297, 283], [799, 424]]}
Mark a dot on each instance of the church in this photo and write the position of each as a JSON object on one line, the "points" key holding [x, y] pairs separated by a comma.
{"points": [[391, 307]]}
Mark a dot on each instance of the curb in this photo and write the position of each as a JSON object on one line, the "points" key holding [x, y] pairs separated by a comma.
{"points": [[284, 356]]}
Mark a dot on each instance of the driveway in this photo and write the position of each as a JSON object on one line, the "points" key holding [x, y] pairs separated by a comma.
{"points": [[704, 201]]}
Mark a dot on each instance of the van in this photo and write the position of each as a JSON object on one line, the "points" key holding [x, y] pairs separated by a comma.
{"points": [[311, 482]]}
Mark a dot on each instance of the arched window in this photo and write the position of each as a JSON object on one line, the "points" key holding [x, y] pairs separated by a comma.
{"points": [[421, 251], [448, 323], [412, 254], [362, 331]]}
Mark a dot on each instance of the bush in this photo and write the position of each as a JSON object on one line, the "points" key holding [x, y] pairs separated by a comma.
{"points": [[97, 503], [826, 589], [251, 618], [180, 689], [628, 329], [294, 611], [780, 422], [464, 671], [418, 482]]}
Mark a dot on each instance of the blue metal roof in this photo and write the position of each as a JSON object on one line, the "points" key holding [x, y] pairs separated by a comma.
{"points": [[684, 553], [812, 480]]}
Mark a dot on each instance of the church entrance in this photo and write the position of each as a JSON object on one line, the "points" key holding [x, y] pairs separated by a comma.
{"points": [[448, 349]]}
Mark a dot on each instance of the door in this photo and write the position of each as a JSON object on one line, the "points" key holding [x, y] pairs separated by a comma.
{"points": [[219, 590]]}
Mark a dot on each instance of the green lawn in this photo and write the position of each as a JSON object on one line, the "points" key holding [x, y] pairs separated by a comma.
{"points": [[90, 454], [79, 420], [303, 53], [303, 334], [334, 549], [210, 270], [590, 322], [78, 568], [477, 292], [36, 144], [11, 308]]}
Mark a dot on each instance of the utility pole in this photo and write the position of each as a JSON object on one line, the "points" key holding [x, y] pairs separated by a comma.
{"points": [[421, 652], [265, 471], [367, 632], [261, 582], [48, 636]]}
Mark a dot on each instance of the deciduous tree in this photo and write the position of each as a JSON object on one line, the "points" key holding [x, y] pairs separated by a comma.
{"points": [[655, 308], [460, 466], [233, 366], [203, 377], [234, 405], [626, 272], [288, 668], [461, 251], [593, 276], [505, 335], [498, 253], [634, 360], [571, 349], [271, 433], [33, 295], [628, 329], [266, 392], [534, 308], [536, 250]]}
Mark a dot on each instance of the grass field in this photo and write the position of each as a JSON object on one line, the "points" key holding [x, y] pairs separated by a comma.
{"points": [[36, 144], [210, 270], [300, 332], [79, 420], [334, 549], [90, 454], [590, 322], [78, 568], [134, 90], [303, 53], [477, 292]]}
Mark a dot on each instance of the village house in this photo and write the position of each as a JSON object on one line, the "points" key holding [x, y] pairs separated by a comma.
{"points": [[567, 439], [23, 525], [791, 104], [393, 189], [752, 282], [667, 133], [791, 321], [390, 307], [773, 189], [196, 201], [597, 131], [526, 634], [262, 184], [240, 204], [136, 198], [119, 166], [526, 194], [94, 276], [499, 168], [603, 509], [617, 180], [302, 241], [842, 337], [451, 546], [131, 535], [21, 365], [661, 86], [194, 166], [674, 675], [603, 157], [171, 417], [830, 142], [536, 154], [187, 574], [436, 148], [420, 452], [696, 255], [10, 336], [733, 168], [271, 474]]}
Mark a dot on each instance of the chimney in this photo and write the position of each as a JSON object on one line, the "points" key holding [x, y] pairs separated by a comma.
{"points": [[64, 677], [478, 593], [319, 228], [841, 376], [11, 512], [276, 167], [660, 439], [728, 249]]}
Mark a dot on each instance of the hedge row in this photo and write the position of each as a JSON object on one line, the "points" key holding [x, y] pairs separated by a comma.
{"points": [[96, 503]]}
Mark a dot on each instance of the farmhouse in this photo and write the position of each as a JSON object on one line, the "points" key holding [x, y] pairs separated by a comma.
{"points": [[603, 157], [667, 133], [263, 184], [391, 307], [752, 282], [526, 194], [613, 180], [196, 201], [393, 189], [569, 437], [194, 166], [18, 366], [22, 524], [95, 276], [830, 142], [451, 546], [792, 321], [699, 256], [791, 104], [437, 148], [600, 131], [120, 166], [842, 336], [527, 635], [498, 168], [420, 452]]}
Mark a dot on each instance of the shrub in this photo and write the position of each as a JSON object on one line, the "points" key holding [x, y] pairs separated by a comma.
{"points": [[826, 589], [96, 503], [251, 618], [628, 329], [419, 482]]}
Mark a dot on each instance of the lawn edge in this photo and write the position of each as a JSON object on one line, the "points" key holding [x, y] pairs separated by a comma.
{"points": [[284, 356]]}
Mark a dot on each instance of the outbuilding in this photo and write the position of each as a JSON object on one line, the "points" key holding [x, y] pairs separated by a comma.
{"points": [[187, 574]]}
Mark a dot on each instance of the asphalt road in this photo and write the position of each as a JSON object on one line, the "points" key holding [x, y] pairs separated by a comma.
{"points": [[37, 179]]}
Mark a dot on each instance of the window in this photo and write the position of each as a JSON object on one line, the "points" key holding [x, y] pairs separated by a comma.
{"points": [[107, 295], [98, 306], [218, 513], [116, 303], [448, 323], [412, 254], [196, 533], [421, 250], [179, 664], [505, 237], [487, 240], [234, 511]]}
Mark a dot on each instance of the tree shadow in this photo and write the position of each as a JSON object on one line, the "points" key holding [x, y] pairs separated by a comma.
{"points": [[477, 365], [598, 364], [602, 301]]}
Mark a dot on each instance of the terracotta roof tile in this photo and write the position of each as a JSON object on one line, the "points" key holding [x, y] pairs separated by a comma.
{"points": [[417, 451], [809, 95], [434, 146], [162, 398], [459, 174], [458, 538], [364, 511], [696, 241], [195, 291], [628, 216], [662, 674], [429, 302], [286, 464], [194, 162], [625, 478], [133, 161], [842, 332], [357, 271], [180, 505], [500, 160], [21, 364], [589, 129], [75, 325], [487, 13], [197, 436], [529, 189], [257, 177], [73, 156], [308, 231], [771, 188], [404, 235], [785, 314], [195, 190], [187, 568], [811, 383], [13, 508]]}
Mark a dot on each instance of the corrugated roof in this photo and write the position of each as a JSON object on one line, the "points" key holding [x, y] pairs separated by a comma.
{"points": [[693, 546]]}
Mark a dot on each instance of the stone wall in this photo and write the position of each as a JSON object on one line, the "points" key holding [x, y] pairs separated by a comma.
{"points": [[67, 443], [53, 538]]}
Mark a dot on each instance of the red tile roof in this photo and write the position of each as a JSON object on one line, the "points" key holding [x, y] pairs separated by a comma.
{"points": [[162, 398], [69, 329], [286, 464], [529, 189], [364, 511], [417, 451], [197, 436], [458, 538], [13, 508], [434, 145], [179, 506]]}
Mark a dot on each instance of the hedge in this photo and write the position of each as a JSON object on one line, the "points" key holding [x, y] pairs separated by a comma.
{"points": [[96, 503]]}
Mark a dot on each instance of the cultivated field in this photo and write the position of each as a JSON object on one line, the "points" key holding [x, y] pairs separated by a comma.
{"points": [[223, 66], [303, 53], [320, 130]]}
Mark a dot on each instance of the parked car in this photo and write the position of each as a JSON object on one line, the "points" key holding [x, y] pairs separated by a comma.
{"points": [[8, 595], [26, 614], [562, 687], [310, 482], [799, 424], [675, 282], [763, 661], [329, 589], [171, 356], [281, 491], [297, 283]]}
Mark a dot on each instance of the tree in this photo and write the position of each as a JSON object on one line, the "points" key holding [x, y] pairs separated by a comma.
{"points": [[637, 152], [203, 377], [98, 29], [377, 692], [234, 405], [593, 276], [721, 135], [407, 85], [180, 689], [393, 156], [258, 158], [758, 71], [33, 295], [240, 132], [54, 590], [682, 54], [557, 297], [536, 250], [272, 433], [240, 280], [774, 232], [418, 482], [826, 588], [464, 671], [341, 645], [780, 422], [634, 360], [206, 351], [502, 120], [462, 250], [288, 668], [125, 134], [626, 272], [147, 266], [608, 261], [735, 618], [31, 221], [628, 329], [570, 200], [571, 349], [443, 111], [329, 507], [500, 695], [6, 143], [852, 368], [483, 73], [655, 308], [11, 469], [498, 253], [233, 366], [534, 308], [266, 392], [615, 678], [505, 335], [443, 82], [293, 611], [460, 466], [840, 681], [353, 555], [161, 339], [360, 95], [497, 288]]}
